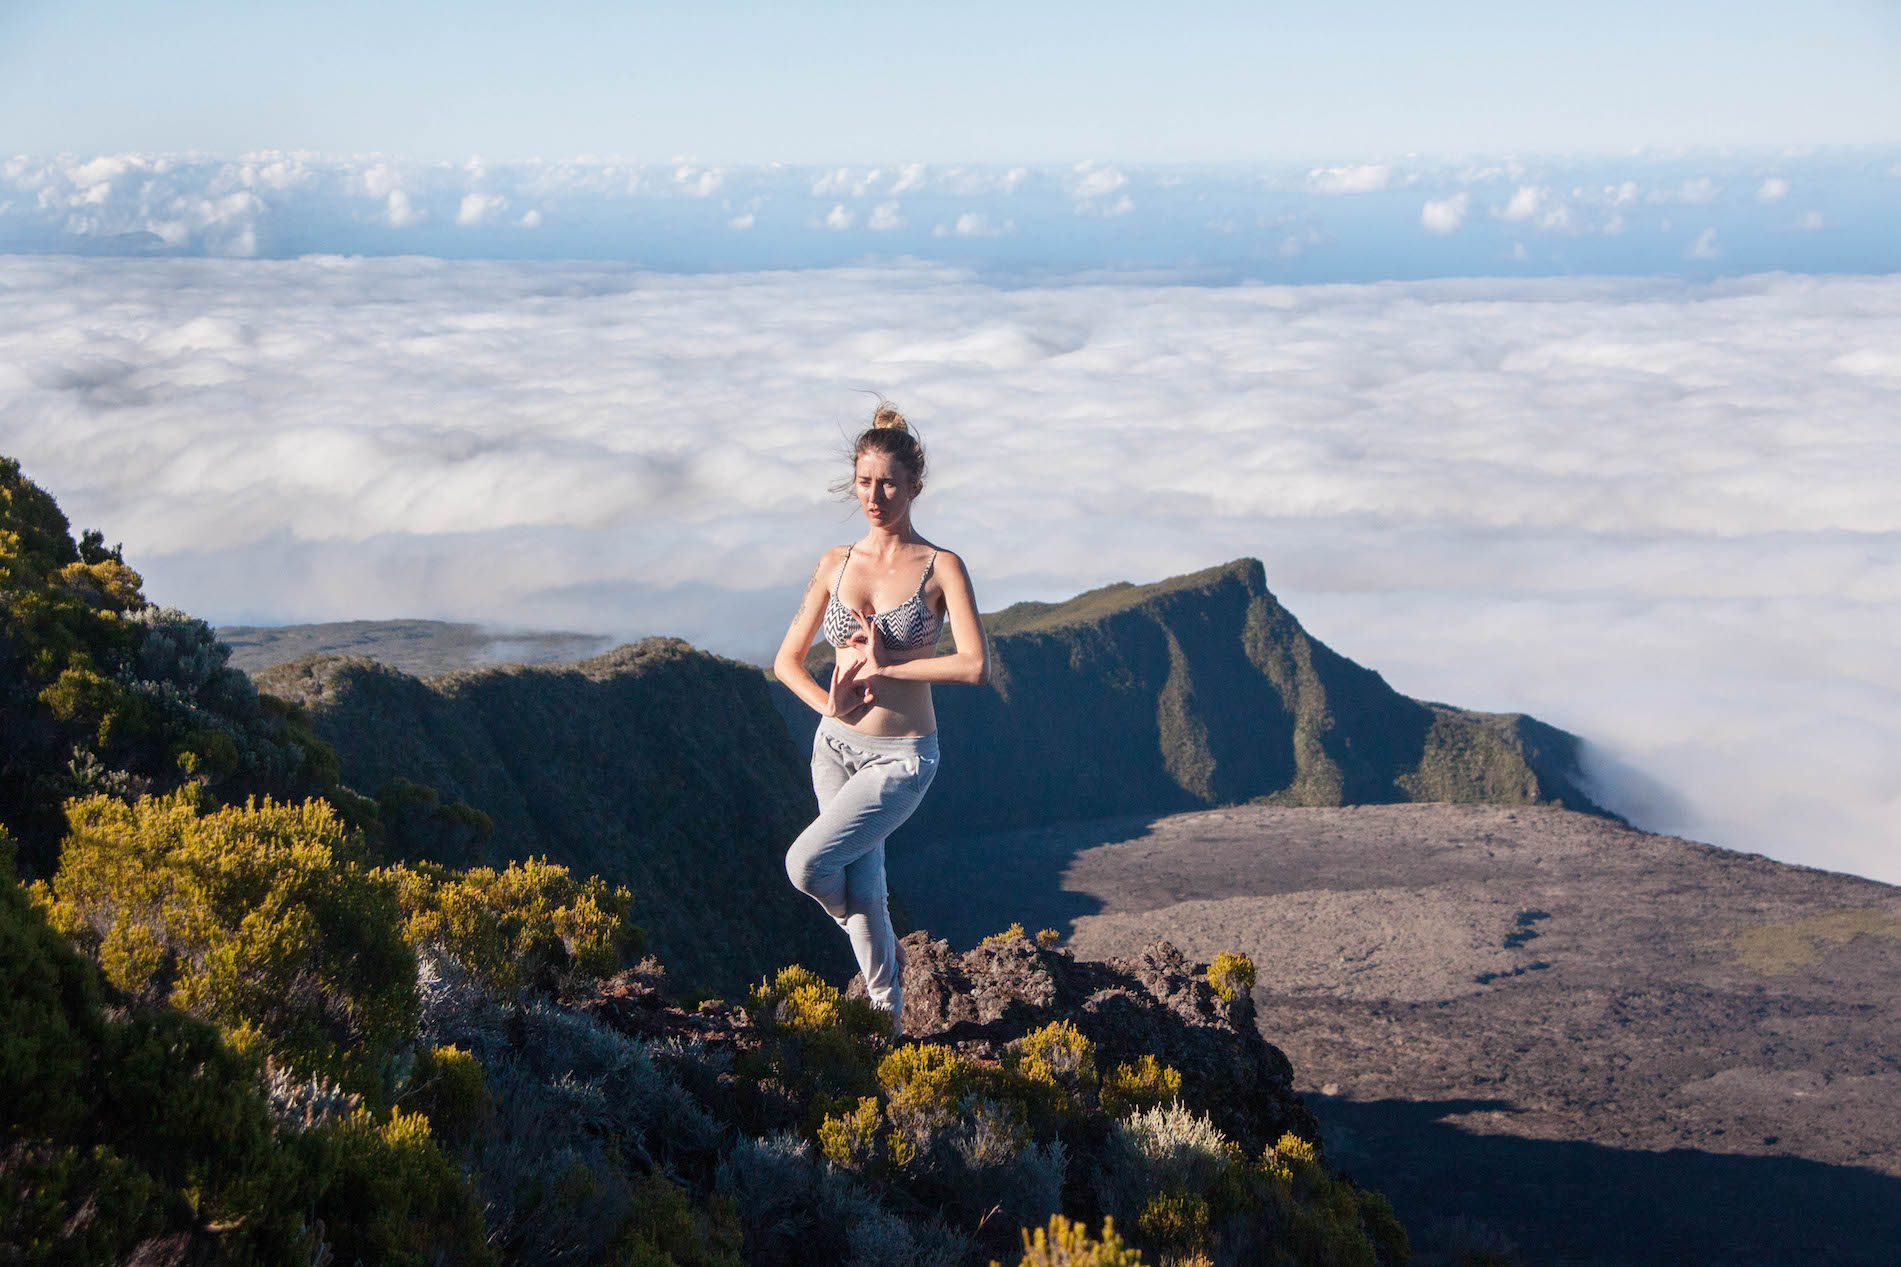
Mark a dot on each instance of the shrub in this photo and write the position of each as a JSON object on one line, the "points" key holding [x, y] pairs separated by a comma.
{"points": [[395, 1199], [1059, 1054], [851, 1139], [1168, 1148], [1175, 1220], [263, 920], [1231, 975], [115, 1125], [815, 1041], [1330, 1222], [1009, 934], [665, 1230], [520, 925], [448, 1086], [1146, 1084], [1067, 1244], [1048, 937]]}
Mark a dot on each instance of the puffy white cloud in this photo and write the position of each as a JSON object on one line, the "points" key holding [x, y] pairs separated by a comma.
{"points": [[399, 213], [742, 222], [843, 181], [1093, 182], [698, 183], [1772, 189], [478, 208], [1808, 221], [1659, 513], [910, 176], [1694, 192], [1445, 215], [840, 218], [1704, 248], [679, 214], [1106, 210], [1524, 203], [974, 224], [530, 219], [1364, 178], [885, 217]]}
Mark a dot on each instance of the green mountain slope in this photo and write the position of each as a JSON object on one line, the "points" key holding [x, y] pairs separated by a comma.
{"points": [[655, 766], [1203, 690]]}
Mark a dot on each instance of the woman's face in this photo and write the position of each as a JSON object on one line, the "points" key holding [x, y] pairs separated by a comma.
{"points": [[884, 489]]}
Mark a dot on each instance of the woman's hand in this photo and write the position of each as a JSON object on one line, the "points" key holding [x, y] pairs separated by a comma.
{"points": [[871, 641], [849, 690]]}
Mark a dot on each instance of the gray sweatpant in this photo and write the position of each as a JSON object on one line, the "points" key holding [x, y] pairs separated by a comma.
{"points": [[867, 785]]}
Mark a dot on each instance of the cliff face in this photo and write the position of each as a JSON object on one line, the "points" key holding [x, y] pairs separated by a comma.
{"points": [[1203, 690], [655, 766]]}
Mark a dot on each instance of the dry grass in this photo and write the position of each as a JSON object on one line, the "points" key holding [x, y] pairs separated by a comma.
{"points": [[1799, 943]]}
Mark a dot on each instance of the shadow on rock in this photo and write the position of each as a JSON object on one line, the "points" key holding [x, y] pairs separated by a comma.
{"points": [[959, 887], [1550, 1201]]}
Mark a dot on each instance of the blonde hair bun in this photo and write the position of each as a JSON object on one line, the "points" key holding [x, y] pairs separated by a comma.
{"points": [[887, 415]]}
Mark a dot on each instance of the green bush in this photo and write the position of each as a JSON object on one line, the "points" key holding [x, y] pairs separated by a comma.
{"points": [[263, 920], [1231, 974], [1009, 934], [814, 1041], [518, 926], [447, 1086], [1146, 1084], [119, 1128], [394, 1199]]}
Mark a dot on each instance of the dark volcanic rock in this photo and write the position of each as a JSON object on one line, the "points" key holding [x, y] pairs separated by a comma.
{"points": [[1154, 1003]]}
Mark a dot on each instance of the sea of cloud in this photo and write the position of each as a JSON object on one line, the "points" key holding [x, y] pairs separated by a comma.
{"points": [[1657, 512], [1701, 214]]}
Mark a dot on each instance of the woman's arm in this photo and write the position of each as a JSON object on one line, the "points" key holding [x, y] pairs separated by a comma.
{"points": [[789, 664], [970, 663]]}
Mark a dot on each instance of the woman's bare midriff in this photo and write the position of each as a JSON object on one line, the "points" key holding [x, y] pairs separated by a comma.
{"points": [[902, 708]]}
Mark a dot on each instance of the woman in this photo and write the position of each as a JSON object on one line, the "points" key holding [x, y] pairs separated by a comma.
{"points": [[881, 602]]}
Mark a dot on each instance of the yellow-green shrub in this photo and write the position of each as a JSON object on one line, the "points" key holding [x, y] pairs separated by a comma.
{"points": [[851, 1139], [515, 925], [1047, 937], [109, 1125], [1330, 1222], [1060, 1056], [394, 1199], [1009, 934], [1143, 1085], [1176, 1220], [262, 919], [447, 1086], [815, 1040], [1067, 1244], [1231, 974]]}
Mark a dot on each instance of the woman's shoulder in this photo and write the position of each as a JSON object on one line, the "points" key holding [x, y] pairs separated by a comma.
{"points": [[947, 561]]}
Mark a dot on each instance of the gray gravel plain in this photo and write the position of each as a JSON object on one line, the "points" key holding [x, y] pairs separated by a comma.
{"points": [[1545, 1035]]}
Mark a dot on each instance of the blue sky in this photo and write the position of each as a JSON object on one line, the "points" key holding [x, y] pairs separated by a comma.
{"points": [[893, 82]]}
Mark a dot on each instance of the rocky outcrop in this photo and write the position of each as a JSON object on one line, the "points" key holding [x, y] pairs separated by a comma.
{"points": [[1154, 1004]]}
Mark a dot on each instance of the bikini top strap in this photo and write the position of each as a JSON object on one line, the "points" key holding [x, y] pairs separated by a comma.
{"points": [[837, 580], [928, 565]]}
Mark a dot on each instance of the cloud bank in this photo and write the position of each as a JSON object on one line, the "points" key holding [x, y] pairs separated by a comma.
{"points": [[1392, 219], [1659, 513]]}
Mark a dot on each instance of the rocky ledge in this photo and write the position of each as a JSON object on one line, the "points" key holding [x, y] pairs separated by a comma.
{"points": [[1155, 1003]]}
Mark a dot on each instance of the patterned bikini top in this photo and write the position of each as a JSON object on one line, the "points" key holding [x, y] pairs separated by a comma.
{"points": [[906, 627]]}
